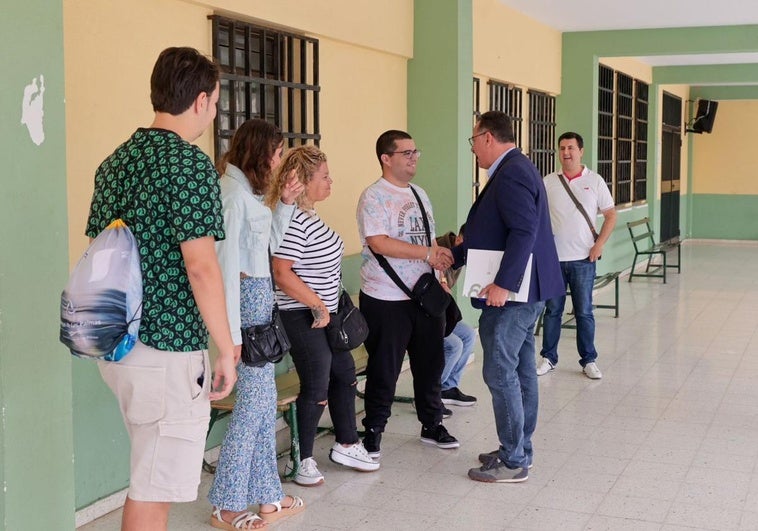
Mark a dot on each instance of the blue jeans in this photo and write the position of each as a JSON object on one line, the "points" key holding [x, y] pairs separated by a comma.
{"points": [[458, 347], [507, 336], [580, 277]]}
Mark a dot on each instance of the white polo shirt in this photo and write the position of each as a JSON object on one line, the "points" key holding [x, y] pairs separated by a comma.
{"points": [[573, 238]]}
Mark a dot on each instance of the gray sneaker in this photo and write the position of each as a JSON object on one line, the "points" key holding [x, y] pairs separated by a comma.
{"points": [[495, 471], [489, 456]]}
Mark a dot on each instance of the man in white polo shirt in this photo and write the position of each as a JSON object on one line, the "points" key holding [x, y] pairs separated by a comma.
{"points": [[579, 247]]}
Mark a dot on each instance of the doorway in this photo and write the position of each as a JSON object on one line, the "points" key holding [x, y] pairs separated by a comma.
{"points": [[671, 155]]}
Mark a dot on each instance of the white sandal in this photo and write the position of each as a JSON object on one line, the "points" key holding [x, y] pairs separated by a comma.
{"points": [[295, 507], [246, 520]]}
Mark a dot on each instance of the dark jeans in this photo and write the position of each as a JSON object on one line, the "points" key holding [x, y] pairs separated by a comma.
{"points": [[580, 277], [394, 327], [508, 367], [324, 375]]}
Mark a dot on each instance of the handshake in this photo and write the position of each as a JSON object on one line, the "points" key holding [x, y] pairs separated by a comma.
{"points": [[440, 258]]}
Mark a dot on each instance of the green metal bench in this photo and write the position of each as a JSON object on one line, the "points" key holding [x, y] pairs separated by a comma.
{"points": [[644, 245], [600, 282]]}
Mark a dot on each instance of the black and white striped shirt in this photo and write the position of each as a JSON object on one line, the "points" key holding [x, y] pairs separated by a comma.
{"points": [[316, 251]]}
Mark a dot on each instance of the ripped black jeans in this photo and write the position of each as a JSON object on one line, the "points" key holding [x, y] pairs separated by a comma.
{"points": [[324, 376]]}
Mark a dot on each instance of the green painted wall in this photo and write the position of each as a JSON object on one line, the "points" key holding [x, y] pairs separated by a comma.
{"points": [[101, 444], [440, 111], [728, 217], [737, 92], [36, 448], [439, 105]]}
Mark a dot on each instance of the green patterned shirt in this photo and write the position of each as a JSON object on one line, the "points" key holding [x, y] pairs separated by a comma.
{"points": [[167, 191]]}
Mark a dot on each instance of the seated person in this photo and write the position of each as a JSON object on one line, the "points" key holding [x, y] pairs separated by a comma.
{"points": [[459, 345]]}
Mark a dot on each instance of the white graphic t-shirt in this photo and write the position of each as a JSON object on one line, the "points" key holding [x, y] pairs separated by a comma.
{"points": [[386, 209]]}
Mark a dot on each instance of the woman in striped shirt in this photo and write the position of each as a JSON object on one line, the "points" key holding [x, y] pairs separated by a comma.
{"points": [[307, 270]]}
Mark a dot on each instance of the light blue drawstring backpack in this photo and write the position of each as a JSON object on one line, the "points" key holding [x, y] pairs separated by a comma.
{"points": [[101, 305]]}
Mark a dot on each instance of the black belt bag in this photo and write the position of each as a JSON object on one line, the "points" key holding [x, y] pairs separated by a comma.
{"points": [[430, 295]]}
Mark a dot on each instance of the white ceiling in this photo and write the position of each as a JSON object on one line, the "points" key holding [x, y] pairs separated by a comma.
{"points": [[593, 15]]}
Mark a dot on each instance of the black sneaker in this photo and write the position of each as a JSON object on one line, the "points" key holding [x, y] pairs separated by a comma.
{"points": [[371, 442], [438, 436], [454, 397], [446, 413]]}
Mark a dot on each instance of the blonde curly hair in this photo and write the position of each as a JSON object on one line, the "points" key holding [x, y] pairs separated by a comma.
{"points": [[303, 161]]}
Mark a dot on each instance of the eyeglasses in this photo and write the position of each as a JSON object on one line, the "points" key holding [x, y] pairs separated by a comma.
{"points": [[408, 153], [471, 140]]}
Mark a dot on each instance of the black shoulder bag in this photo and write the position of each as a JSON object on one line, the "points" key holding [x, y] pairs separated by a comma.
{"points": [[428, 293], [347, 328], [266, 343]]}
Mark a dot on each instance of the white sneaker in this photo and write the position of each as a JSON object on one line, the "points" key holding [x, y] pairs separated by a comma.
{"points": [[591, 371], [308, 475], [354, 456], [544, 367]]}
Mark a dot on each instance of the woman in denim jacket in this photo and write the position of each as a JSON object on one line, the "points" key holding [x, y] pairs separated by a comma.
{"points": [[247, 473]]}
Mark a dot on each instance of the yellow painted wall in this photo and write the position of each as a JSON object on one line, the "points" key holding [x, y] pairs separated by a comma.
{"points": [[511, 47], [110, 47], [363, 93], [630, 66], [723, 162]]}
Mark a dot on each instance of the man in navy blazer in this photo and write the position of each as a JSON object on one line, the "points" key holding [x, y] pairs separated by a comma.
{"points": [[511, 215]]}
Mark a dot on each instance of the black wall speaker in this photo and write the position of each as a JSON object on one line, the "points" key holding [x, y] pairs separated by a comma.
{"points": [[706, 114]]}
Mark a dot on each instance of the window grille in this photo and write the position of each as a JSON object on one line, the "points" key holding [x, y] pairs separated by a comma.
{"points": [[542, 131], [507, 98], [622, 135], [267, 74]]}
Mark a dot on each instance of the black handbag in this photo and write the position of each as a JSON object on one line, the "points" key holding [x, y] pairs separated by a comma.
{"points": [[347, 328], [267, 343]]}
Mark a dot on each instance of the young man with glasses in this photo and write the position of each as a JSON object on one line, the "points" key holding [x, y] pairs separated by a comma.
{"points": [[391, 223]]}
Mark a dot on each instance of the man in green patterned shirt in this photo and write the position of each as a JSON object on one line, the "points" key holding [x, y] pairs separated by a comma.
{"points": [[167, 191]]}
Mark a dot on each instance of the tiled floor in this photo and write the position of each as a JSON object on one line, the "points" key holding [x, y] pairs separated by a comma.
{"points": [[667, 440]]}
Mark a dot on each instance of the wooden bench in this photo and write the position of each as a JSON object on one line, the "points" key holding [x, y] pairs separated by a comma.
{"points": [[600, 282], [644, 244], [287, 389]]}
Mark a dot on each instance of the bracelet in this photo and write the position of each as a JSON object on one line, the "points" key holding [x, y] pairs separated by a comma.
{"points": [[428, 255]]}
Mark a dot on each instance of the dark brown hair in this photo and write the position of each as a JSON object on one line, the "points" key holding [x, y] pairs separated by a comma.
{"points": [[498, 124], [179, 76], [251, 149], [386, 142]]}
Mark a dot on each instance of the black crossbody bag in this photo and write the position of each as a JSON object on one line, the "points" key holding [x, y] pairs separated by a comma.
{"points": [[347, 328], [266, 343], [428, 293]]}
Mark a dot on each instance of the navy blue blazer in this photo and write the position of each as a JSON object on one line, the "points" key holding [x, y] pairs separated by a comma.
{"points": [[511, 214]]}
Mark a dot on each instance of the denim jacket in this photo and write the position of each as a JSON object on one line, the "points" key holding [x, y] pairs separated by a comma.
{"points": [[250, 229]]}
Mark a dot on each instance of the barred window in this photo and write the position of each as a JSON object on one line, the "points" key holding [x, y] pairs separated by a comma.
{"points": [[622, 134], [268, 74], [542, 131], [507, 98]]}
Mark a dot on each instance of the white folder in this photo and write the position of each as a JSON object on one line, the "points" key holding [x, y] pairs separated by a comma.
{"points": [[482, 266]]}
